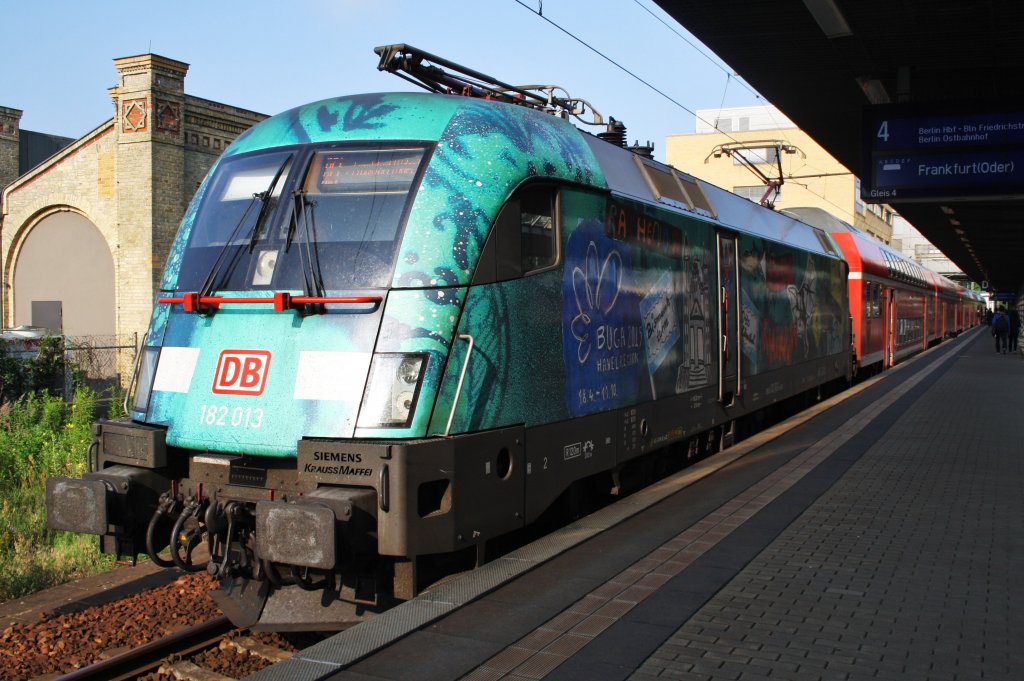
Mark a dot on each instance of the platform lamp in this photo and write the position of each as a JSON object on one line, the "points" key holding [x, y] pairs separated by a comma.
{"points": [[829, 19]]}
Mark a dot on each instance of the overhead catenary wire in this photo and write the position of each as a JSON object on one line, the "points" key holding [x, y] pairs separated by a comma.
{"points": [[732, 75], [699, 51], [540, 13], [717, 63], [611, 61], [729, 75]]}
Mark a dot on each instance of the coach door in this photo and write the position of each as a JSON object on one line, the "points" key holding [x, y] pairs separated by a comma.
{"points": [[889, 329], [728, 319]]}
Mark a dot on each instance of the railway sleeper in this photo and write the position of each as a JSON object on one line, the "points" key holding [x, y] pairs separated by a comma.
{"points": [[250, 646], [183, 670]]}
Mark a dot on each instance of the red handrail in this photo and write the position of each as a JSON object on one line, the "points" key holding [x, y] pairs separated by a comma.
{"points": [[193, 302]]}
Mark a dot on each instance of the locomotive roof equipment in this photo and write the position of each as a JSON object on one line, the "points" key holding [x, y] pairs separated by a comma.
{"points": [[424, 70]]}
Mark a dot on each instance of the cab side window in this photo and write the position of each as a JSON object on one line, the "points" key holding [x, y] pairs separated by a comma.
{"points": [[524, 238], [537, 228]]}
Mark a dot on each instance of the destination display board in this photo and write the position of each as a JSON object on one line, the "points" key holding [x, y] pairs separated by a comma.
{"points": [[365, 170], [918, 153]]}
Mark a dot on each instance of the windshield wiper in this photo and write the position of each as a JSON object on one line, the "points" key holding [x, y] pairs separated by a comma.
{"points": [[309, 254], [211, 276], [263, 197], [298, 199], [266, 197]]}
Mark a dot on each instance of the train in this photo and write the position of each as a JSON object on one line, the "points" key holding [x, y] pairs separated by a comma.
{"points": [[395, 330], [897, 307]]}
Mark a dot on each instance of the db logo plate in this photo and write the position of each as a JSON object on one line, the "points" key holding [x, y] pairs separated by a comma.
{"points": [[241, 372]]}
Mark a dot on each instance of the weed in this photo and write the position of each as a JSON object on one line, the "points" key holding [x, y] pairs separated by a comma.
{"points": [[40, 436]]}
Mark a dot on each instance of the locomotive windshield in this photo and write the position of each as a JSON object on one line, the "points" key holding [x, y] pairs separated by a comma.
{"points": [[325, 219]]}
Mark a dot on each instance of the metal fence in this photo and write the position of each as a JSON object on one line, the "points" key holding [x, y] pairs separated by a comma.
{"points": [[104, 362]]}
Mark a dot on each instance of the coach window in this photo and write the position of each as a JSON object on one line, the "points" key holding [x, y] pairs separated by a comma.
{"points": [[524, 238], [825, 242]]}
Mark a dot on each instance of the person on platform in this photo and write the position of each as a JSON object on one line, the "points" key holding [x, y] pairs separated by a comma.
{"points": [[1001, 330]]}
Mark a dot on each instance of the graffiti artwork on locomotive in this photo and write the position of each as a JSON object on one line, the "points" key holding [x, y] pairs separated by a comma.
{"points": [[394, 328]]}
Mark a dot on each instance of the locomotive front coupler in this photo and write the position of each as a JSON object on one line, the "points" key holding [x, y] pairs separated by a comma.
{"points": [[230, 553]]}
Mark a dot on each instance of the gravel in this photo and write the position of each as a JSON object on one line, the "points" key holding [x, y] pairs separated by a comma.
{"points": [[64, 643]]}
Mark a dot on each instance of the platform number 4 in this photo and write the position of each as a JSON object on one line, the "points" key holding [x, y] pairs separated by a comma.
{"points": [[883, 131]]}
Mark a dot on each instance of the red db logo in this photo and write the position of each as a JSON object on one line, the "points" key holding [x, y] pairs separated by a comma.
{"points": [[241, 372]]}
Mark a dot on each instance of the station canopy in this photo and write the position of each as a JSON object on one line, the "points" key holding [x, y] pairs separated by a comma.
{"points": [[922, 99]]}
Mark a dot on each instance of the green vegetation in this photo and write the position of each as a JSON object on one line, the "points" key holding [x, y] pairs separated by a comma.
{"points": [[46, 370], [40, 435]]}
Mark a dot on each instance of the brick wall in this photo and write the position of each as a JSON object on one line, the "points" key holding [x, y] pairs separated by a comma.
{"points": [[10, 120]]}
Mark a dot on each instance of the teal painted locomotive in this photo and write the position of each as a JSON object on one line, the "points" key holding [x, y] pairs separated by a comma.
{"points": [[395, 328]]}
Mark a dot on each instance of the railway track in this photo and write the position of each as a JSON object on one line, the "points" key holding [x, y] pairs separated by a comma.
{"points": [[187, 655], [149, 658], [244, 646], [171, 631]]}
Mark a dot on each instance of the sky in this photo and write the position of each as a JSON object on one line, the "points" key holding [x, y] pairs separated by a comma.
{"points": [[269, 57]]}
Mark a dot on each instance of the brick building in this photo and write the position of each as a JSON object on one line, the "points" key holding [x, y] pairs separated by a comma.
{"points": [[87, 231]]}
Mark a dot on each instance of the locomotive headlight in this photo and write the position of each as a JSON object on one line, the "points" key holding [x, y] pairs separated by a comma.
{"points": [[392, 389], [144, 382], [410, 368]]}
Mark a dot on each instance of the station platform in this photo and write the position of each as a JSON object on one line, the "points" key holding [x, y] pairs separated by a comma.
{"points": [[879, 535]]}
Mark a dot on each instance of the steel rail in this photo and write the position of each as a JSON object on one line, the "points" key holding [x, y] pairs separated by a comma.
{"points": [[147, 657]]}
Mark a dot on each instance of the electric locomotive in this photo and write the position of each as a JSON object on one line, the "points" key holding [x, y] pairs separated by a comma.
{"points": [[395, 328]]}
